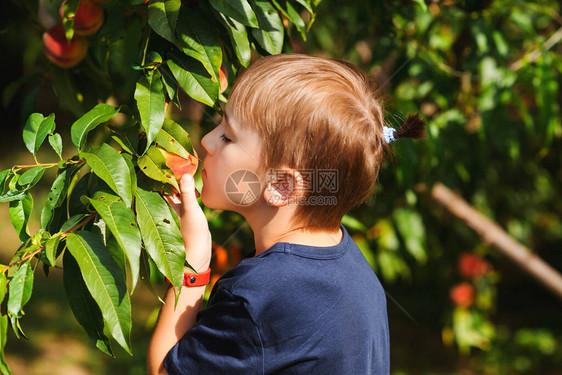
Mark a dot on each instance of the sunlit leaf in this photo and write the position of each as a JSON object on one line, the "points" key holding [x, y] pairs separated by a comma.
{"points": [[114, 169], [97, 115], [105, 282]]}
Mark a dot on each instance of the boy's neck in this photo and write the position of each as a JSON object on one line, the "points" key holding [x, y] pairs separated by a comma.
{"points": [[269, 235]]}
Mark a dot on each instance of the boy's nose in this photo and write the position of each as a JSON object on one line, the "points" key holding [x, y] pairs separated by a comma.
{"points": [[204, 141]]}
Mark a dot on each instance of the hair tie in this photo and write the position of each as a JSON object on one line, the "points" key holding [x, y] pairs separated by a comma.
{"points": [[388, 134], [413, 127]]}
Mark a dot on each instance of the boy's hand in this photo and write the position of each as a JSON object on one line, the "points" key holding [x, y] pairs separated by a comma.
{"points": [[194, 225]]}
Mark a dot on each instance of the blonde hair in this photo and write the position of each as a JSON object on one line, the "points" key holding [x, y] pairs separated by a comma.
{"points": [[315, 114]]}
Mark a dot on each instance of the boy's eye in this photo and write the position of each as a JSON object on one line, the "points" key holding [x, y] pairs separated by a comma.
{"points": [[224, 139]]}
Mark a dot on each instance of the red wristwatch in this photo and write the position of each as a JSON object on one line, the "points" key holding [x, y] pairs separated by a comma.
{"points": [[191, 279]]}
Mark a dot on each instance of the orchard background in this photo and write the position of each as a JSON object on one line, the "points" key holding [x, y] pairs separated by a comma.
{"points": [[484, 74]]}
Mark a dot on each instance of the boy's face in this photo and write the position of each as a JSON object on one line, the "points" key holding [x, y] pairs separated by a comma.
{"points": [[230, 147]]}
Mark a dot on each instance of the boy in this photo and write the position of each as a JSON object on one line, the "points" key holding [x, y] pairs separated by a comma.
{"points": [[308, 132]]}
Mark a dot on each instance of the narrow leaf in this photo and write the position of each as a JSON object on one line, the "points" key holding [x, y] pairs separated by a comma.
{"points": [[105, 282], [120, 220], [161, 235], [20, 287], [97, 115], [51, 247], [3, 338], [56, 196], [199, 40], [239, 39], [19, 215], [31, 177], [271, 32], [173, 138], [83, 305], [3, 177], [163, 17], [36, 130], [55, 141], [240, 10], [12, 195], [149, 95], [193, 79], [3, 286], [114, 169], [154, 166]]}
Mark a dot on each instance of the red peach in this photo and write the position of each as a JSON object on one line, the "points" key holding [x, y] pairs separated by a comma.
{"points": [[180, 165], [59, 51], [88, 18], [223, 75], [462, 295], [473, 266]]}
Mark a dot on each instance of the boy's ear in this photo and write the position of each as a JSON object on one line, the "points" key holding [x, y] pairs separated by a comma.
{"points": [[283, 187]]}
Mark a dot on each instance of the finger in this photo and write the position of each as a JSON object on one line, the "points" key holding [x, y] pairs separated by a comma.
{"points": [[188, 196]]}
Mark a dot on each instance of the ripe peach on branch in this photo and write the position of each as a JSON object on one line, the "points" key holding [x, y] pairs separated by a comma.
{"points": [[462, 295], [59, 51], [88, 17], [473, 266]]}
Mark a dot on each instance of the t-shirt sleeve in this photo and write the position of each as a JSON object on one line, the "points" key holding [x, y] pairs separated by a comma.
{"points": [[224, 340]]}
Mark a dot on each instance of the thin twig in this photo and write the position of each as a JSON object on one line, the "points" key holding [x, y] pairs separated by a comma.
{"points": [[32, 254]]}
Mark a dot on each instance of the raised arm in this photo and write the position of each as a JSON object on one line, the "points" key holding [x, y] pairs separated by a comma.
{"points": [[173, 323]]}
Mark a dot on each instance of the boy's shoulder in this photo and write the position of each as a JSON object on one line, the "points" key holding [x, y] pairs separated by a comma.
{"points": [[287, 275]]}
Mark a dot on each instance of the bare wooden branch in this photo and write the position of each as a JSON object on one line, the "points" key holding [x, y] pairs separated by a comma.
{"points": [[494, 235]]}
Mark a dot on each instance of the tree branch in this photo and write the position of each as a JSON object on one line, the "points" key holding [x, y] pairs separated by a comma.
{"points": [[492, 234]]}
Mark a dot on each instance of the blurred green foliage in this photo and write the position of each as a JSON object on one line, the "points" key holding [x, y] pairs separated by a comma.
{"points": [[485, 74]]}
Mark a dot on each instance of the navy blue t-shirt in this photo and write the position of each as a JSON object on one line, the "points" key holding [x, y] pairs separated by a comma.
{"points": [[292, 309]]}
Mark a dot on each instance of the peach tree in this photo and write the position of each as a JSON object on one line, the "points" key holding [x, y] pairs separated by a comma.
{"points": [[104, 219]]}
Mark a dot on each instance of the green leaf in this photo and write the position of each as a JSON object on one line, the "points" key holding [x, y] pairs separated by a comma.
{"points": [[120, 220], [55, 141], [105, 282], [153, 164], [114, 169], [20, 287], [56, 196], [240, 10], [3, 286], [194, 79], [199, 40], [239, 38], [36, 130], [51, 247], [12, 195], [149, 95], [271, 32], [422, 4], [410, 225], [97, 115], [170, 85], [19, 215], [83, 305], [174, 138], [293, 16], [3, 178], [145, 274], [31, 177], [163, 17], [3, 338], [70, 7], [161, 235]]}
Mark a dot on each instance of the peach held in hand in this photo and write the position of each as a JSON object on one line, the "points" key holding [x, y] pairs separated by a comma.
{"points": [[59, 51]]}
